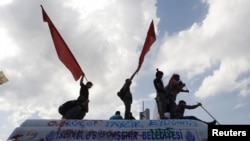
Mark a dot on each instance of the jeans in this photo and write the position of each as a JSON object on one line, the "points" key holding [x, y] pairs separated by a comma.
{"points": [[127, 103], [172, 105]]}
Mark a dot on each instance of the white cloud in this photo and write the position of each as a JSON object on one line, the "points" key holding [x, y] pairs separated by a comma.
{"points": [[224, 79], [106, 38], [220, 39]]}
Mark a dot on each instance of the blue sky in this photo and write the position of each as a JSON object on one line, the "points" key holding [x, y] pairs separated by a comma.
{"points": [[205, 41], [177, 15]]}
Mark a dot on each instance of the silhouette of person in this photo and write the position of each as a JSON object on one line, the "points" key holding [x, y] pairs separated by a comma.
{"points": [[116, 116], [84, 94], [128, 98], [180, 110], [174, 87], [77, 111], [161, 98]]}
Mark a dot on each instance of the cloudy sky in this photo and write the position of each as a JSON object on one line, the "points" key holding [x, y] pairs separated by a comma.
{"points": [[205, 41]]}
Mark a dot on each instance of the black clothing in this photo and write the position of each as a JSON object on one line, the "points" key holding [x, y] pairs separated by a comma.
{"points": [[84, 92], [127, 99], [162, 99], [72, 109], [84, 96], [76, 112], [158, 81]]}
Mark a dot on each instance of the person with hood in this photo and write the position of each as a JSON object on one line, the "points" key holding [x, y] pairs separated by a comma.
{"points": [[174, 87]]}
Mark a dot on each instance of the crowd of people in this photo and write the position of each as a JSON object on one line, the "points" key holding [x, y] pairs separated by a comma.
{"points": [[166, 95], [165, 100]]}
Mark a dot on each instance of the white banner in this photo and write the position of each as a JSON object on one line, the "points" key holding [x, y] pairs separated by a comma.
{"points": [[110, 130]]}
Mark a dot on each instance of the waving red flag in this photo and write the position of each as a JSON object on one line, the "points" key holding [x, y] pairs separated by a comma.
{"points": [[62, 49], [150, 39]]}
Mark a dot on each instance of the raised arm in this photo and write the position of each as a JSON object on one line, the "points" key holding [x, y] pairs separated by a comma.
{"points": [[81, 80]]}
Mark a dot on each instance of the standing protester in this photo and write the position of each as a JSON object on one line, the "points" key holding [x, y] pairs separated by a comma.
{"points": [[174, 87], [84, 95], [126, 95], [161, 97], [180, 110]]}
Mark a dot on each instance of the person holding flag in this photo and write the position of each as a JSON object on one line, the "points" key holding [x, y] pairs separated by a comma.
{"points": [[125, 93], [77, 109], [68, 59], [126, 96], [84, 94]]}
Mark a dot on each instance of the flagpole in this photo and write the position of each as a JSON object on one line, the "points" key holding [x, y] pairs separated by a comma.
{"points": [[142, 106], [86, 78], [133, 74], [209, 114]]}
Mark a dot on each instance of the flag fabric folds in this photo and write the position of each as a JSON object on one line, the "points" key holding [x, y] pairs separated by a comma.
{"points": [[3, 78], [63, 51], [150, 39]]}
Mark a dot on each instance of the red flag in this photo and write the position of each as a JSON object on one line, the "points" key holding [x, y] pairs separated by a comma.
{"points": [[62, 49], [150, 39]]}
